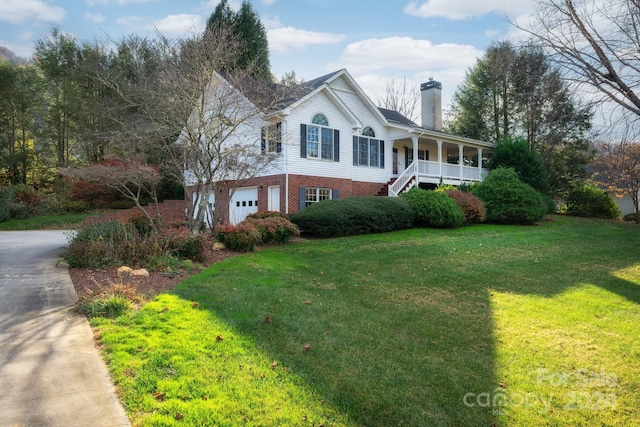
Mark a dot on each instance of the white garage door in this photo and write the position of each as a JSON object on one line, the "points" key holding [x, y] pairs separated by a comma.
{"points": [[243, 202]]}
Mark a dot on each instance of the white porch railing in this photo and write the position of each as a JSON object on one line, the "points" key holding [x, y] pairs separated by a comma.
{"points": [[435, 170], [403, 180]]}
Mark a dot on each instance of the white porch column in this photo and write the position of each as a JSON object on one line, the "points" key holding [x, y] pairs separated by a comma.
{"points": [[479, 164], [461, 160], [439, 158], [414, 140]]}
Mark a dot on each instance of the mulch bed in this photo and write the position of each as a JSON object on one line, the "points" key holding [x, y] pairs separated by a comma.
{"points": [[92, 281]]}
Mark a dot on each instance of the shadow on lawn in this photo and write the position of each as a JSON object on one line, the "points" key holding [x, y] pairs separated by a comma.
{"points": [[411, 344]]}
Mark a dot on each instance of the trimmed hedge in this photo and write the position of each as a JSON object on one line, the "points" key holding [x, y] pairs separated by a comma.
{"points": [[434, 209], [591, 202], [509, 200], [354, 215]]}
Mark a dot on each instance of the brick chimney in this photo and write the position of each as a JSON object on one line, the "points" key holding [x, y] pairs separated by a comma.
{"points": [[431, 94]]}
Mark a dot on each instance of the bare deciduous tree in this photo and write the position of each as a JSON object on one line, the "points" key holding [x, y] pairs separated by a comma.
{"points": [[618, 171], [133, 179], [401, 96], [596, 45], [202, 126]]}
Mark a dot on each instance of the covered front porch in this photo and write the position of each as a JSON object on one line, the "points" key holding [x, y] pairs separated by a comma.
{"points": [[434, 157]]}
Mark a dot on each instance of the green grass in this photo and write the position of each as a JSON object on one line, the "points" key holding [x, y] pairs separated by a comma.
{"points": [[512, 326], [44, 222]]}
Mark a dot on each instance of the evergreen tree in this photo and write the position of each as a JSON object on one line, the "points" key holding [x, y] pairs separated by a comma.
{"points": [[516, 93], [246, 26]]}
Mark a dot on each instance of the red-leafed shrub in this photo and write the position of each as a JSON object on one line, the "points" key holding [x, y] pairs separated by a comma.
{"points": [[262, 228], [471, 206], [243, 237], [274, 229]]}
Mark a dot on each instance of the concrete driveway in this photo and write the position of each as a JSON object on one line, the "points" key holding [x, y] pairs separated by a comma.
{"points": [[51, 373]]}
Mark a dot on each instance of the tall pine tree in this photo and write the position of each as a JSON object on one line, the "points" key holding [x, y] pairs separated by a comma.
{"points": [[246, 25]]}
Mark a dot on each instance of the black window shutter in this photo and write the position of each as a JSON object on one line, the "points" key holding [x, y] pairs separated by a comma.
{"points": [[334, 193], [355, 150], [302, 195], [303, 141], [381, 154], [336, 145], [406, 157], [279, 137], [426, 155], [263, 140]]}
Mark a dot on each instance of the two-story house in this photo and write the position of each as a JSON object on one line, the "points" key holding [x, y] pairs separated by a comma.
{"points": [[333, 142]]}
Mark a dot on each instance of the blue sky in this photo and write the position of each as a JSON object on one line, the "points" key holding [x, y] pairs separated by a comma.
{"points": [[375, 40]]}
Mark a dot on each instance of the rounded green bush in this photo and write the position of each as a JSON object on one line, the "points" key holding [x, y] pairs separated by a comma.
{"points": [[434, 209], [354, 215], [509, 200], [591, 202]]}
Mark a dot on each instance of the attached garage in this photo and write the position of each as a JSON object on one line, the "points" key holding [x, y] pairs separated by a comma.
{"points": [[244, 201]]}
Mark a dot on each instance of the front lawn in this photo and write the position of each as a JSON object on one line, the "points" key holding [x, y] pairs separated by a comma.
{"points": [[45, 222], [510, 325]]}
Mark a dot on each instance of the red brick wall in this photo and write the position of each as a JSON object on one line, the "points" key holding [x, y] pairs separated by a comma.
{"points": [[169, 210], [345, 187]]}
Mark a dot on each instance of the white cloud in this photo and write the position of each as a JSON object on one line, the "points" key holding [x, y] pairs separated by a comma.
{"points": [[132, 21], [21, 45], [465, 9], [16, 11], [179, 25], [105, 3], [285, 39], [94, 17], [210, 6], [406, 53], [374, 62], [268, 2]]}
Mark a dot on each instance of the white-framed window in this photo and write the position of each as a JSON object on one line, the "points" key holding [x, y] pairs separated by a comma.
{"points": [[367, 150], [271, 138], [318, 140], [315, 195]]}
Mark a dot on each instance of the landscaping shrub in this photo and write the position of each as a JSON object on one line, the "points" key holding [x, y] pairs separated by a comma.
{"points": [[434, 209], [274, 229], [472, 207], [509, 200], [630, 217], [591, 202], [354, 215], [111, 302], [243, 237], [182, 243], [110, 243], [551, 205], [260, 228], [5, 213]]}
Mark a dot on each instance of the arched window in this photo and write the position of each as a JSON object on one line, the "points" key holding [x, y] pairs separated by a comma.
{"points": [[320, 119], [368, 131], [319, 141], [367, 150]]}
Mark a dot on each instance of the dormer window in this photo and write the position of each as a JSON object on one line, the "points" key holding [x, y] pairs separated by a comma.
{"points": [[318, 140]]}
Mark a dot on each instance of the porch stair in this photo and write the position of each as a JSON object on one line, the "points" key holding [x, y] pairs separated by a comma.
{"points": [[384, 190]]}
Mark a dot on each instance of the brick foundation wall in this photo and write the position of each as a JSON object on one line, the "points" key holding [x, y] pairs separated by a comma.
{"points": [[345, 187]]}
